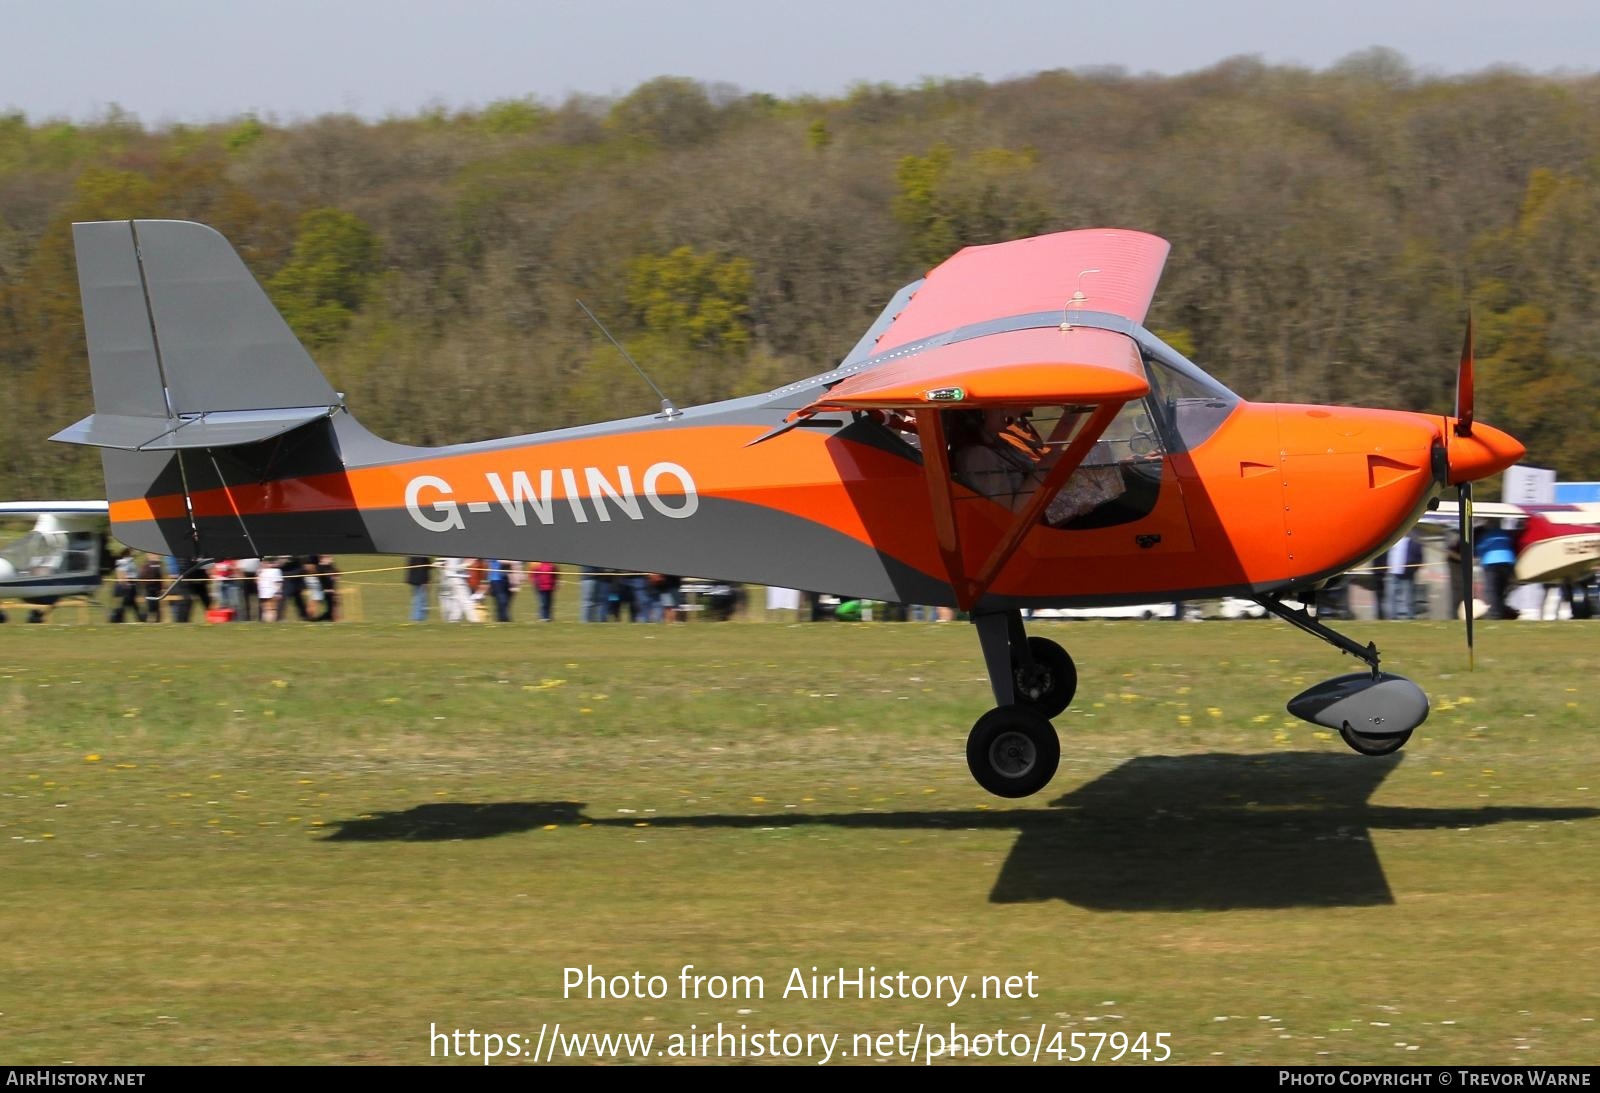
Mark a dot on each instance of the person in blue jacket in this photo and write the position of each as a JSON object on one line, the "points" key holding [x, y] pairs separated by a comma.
{"points": [[1497, 553]]}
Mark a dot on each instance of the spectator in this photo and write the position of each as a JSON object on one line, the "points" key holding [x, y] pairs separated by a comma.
{"points": [[126, 588], [151, 581], [328, 574], [502, 586], [543, 576], [196, 585], [418, 570], [246, 571], [222, 572], [477, 587], [294, 587], [455, 595], [666, 589], [269, 589], [642, 606], [1497, 553], [1400, 580], [592, 594]]}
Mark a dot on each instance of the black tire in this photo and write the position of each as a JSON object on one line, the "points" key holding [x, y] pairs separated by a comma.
{"points": [[1013, 751], [1048, 685], [1373, 745], [1583, 600]]}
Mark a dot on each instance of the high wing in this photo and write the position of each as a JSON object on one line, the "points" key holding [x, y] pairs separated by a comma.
{"points": [[993, 325], [1096, 269], [1006, 326]]}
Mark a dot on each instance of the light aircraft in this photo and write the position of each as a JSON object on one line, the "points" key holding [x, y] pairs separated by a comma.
{"points": [[1006, 435], [1556, 543], [60, 557]]}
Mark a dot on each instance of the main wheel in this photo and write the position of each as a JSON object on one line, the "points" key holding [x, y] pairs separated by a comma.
{"points": [[1374, 745], [1013, 751], [1048, 684]]}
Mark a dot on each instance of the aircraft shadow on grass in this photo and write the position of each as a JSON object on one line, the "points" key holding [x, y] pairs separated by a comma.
{"points": [[1158, 833]]}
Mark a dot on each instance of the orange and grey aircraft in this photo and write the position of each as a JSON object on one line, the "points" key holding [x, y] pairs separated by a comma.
{"points": [[1007, 435]]}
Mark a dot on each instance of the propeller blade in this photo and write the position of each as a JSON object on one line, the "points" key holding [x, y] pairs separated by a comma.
{"points": [[1464, 395], [1468, 597]]}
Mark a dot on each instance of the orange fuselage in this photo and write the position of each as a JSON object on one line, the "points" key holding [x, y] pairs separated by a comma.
{"points": [[1278, 495]]}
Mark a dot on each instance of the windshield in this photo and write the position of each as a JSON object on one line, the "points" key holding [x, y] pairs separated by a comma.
{"points": [[1191, 403]]}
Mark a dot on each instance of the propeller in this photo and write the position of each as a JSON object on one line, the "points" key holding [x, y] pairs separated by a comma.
{"points": [[1464, 506], [1464, 395], [1464, 408]]}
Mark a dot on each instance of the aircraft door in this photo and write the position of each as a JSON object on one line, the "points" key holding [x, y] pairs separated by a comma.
{"points": [[1123, 495]]}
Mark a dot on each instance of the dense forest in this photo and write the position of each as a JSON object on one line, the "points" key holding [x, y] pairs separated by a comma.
{"points": [[1329, 231]]}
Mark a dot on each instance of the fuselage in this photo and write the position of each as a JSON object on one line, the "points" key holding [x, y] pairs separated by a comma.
{"points": [[1272, 497]]}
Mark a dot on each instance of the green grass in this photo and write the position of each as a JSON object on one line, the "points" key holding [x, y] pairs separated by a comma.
{"points": [[304, 843]]}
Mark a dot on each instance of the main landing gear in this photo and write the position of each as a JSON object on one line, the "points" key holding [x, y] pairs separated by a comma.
{"points": [[1013, 750]]}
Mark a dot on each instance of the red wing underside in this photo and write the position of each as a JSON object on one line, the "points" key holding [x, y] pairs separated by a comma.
{"points": [[1016, 368]]}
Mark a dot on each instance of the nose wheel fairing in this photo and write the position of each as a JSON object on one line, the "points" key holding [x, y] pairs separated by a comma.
{"points": [[1368, 708]]}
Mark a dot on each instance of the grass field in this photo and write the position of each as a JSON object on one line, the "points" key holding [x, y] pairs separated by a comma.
{"points": [[303, 843]]}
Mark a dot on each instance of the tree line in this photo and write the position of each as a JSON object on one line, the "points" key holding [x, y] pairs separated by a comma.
{"points": [[1330, 230]]}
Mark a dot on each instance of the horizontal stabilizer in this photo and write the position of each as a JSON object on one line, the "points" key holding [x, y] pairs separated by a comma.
{"points": [[123, 431], [221, 429]]}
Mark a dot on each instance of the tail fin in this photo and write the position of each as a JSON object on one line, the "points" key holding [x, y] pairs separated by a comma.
{"points": [[194, 371], [185, 349]]}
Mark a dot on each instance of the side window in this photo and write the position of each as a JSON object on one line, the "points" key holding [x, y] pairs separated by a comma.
{"points": [[1118, 481], [1132, 435], [1003, 456], [81, 557]]}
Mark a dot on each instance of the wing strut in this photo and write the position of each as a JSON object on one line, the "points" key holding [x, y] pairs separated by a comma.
{"points": [[1057, 477], [941, 493]]}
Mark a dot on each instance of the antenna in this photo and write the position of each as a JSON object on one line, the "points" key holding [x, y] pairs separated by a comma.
{"points": [[668, 410], [1079, 298]]}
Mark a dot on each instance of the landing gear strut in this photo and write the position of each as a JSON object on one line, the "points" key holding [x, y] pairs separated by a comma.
{"points": [[1013, 750]]}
